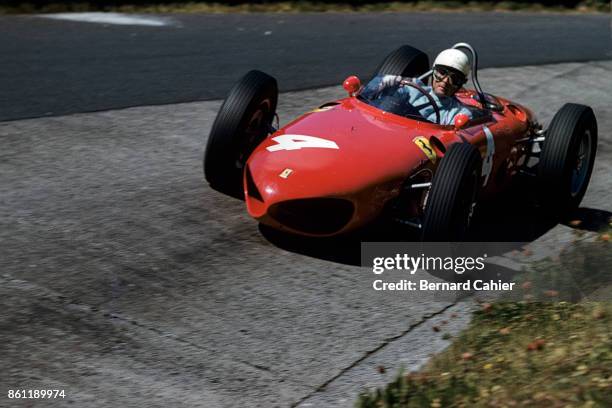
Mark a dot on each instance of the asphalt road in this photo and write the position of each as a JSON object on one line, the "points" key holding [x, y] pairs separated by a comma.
{"points": [[53, 67], [128, 282]]}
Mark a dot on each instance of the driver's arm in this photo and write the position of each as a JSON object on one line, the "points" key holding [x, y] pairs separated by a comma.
{"points": [[389, 80], [385, 81], [380, 82]]}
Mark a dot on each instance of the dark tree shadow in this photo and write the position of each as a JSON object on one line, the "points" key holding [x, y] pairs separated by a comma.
{"points": [[590, 219]]}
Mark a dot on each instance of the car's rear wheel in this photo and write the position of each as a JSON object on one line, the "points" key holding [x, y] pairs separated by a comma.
{"points": [[566, 160], [452, 198], [406, 61], [244, 120]]}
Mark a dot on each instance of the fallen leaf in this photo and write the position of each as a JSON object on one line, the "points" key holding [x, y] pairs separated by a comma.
{"points": [[467, 356], [436, 328], [536, 345], [486, 307], [381, 369], [605, 237], [488, 366], [453, 315], [575, 223], [526, 285], [505, 331], [582, 369], [551, 293], [599, 314]]}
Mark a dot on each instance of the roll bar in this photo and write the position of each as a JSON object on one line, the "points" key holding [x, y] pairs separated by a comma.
{"points": [[481, 95], [467, 46]]}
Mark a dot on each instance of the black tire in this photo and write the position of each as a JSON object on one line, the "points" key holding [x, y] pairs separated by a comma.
{"points": [[572, 134], [244, 120], [453, 193], [406, 61]]}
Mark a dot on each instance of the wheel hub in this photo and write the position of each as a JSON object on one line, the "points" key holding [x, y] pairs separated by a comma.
{"points": [[581, 166]]}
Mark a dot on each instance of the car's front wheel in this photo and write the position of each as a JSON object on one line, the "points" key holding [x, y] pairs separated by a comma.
{"points": [[452, 198], [243, 121]]}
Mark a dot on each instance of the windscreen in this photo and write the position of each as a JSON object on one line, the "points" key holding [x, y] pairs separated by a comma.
{"points": [[394, 98]]}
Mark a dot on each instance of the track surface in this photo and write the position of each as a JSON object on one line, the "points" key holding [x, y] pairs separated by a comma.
{"points": [[52, 67], [126, 281]]}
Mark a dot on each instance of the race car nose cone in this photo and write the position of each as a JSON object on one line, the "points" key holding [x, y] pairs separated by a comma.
{"points": [[270, 190]]}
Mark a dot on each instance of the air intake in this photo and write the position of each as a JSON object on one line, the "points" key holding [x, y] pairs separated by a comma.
{"points": [[252, 190], [313, 215]]}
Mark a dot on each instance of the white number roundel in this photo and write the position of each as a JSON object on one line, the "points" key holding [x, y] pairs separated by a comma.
{"points": [[296, 142]]}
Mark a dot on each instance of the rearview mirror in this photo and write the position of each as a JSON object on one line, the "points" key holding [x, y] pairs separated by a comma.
{"points": [[351, 84], [461, 120]]}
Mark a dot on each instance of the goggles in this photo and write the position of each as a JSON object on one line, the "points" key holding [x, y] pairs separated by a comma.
{"points": [[454, 78]]}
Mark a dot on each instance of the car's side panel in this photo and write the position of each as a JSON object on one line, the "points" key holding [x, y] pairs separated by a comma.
{"points": [[496, 140]]}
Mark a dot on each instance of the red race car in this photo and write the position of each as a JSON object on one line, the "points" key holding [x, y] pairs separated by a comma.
{"points": [[351, 161]]}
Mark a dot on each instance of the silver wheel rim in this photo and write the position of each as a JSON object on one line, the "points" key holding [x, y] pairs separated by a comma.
{"points": [[581, 165]]}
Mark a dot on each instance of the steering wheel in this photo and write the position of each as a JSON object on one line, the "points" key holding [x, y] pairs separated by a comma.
{"points": [[430, 98]]}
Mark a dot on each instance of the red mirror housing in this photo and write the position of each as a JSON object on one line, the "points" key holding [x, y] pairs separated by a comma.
{"points": [[461, 121], [352, 84]]}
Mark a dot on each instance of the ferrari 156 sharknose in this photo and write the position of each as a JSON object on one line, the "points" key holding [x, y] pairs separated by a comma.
{"points": [[350, 161]]}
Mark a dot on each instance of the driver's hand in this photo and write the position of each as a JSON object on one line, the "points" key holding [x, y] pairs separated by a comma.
{"points": [[389, 80]]}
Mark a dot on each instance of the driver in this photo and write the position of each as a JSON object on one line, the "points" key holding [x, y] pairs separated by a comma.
{"points": [[450, 70]]}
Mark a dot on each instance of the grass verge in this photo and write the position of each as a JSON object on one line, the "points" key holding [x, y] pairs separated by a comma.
{"points": [[299, 6], [526, 353], [515, 355]]}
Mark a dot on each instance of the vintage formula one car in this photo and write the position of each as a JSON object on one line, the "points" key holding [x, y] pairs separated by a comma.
{"points": [[348, 162]]}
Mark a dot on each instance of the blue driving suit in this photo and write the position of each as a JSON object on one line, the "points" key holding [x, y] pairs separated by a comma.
{"points": [[449, 105]]}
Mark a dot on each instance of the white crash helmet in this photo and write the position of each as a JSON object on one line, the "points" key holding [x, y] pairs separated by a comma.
{"points": [[455, 59]]}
